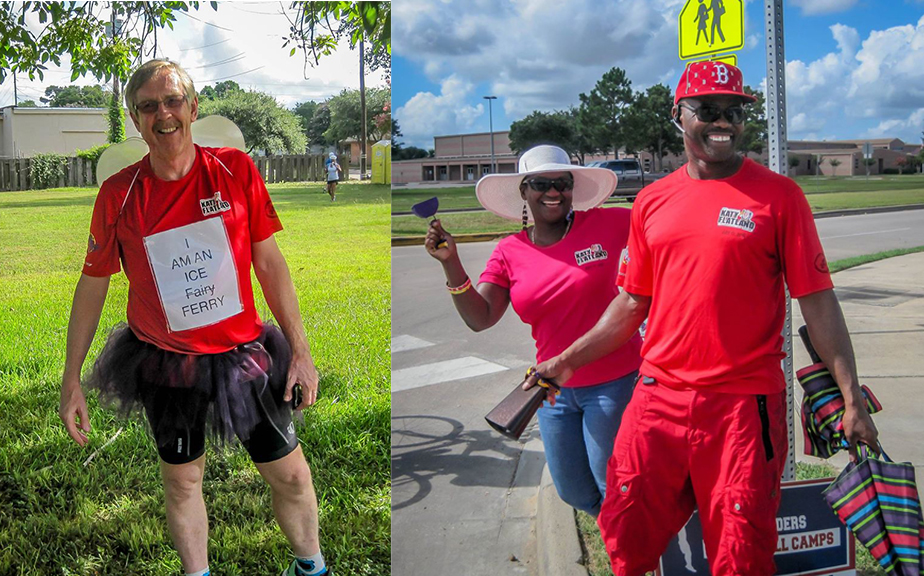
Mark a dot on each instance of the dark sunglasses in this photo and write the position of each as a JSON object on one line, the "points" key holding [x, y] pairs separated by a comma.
{"points": [[710, 113], [151, 106], [540, 184]]}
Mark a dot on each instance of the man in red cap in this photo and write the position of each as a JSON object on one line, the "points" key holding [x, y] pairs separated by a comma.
{"points": [[710, 248]]}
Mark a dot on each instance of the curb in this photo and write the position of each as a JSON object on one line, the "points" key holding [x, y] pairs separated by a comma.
{"points": [[459, 238], [487, 237], [558, 547]]}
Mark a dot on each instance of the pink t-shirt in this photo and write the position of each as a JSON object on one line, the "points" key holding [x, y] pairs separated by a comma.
{"points": [[562, 290], [713, 255]]}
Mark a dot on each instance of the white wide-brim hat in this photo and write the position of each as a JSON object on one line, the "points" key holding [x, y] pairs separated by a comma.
{"points": [[500, 193]]}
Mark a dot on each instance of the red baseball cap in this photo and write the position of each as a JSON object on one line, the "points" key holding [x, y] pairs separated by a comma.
{"points": [[707, 78]]}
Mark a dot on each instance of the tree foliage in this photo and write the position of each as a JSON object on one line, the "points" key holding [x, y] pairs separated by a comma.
{"points": [[79, 30], [265, 124], [601, 111], [46, 169], [317, 27], [346, 116], [647, 125], [76, 96], [115, 115], [315, 120], [410, 153], [220, 90], [754, 138], [556, 128]]}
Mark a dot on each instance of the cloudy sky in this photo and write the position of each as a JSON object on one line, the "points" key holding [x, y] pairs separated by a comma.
{"points": [[241, 41], [854, 68]]}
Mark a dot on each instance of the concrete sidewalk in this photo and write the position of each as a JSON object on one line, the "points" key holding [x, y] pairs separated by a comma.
{"points": [[445, 460]]}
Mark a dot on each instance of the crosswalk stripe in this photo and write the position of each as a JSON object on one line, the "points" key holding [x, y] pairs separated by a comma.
{"points": [[405, 342], [445, 371]]}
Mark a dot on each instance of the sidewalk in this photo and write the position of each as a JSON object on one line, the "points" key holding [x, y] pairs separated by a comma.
{"points": [[883, 303]]}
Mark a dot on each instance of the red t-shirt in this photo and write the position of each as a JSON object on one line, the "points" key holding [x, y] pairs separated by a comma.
{"points": [[186, 249], [713, 255], [562, 290]]}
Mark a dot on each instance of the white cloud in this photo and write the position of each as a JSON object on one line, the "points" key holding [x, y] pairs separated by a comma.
{"points": [[913, 124], [537, 54], [813, 7], [879, 77], [251, 32], [426, 114]]}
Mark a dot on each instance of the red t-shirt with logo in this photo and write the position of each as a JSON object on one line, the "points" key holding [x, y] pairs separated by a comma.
{"points": [[185, 246], [562, 290], [713, 256]]}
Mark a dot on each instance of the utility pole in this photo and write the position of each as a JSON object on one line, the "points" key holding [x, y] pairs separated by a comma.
{"points": [[15, 91], [116, 28], [491, 128], [362, 105]]}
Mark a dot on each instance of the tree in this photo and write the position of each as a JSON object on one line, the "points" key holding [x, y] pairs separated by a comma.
{"points": [[346, 115], [409, 153], [794, 162], [76, 97], [601, 111], [220, 90], [647, 124], [265, 124], [317, 27], [27, 104], [754, 137], [834, 162], [557, 128], [77, 29], [318, 125]]}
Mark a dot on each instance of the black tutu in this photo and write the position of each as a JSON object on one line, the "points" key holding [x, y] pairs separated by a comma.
{"points": [[230, 387]]}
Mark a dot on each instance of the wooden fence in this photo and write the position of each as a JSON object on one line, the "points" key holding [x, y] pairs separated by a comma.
{"points": [[15, 173]]}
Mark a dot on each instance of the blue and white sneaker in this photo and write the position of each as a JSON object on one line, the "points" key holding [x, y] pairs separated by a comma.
{"points": [[293, 570]]}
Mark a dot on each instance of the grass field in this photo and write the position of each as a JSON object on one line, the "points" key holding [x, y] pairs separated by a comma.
{"points": [[58, 516], [822, 193]]}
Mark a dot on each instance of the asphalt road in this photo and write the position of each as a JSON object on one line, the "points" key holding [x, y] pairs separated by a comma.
{"points": [[457, 485]]}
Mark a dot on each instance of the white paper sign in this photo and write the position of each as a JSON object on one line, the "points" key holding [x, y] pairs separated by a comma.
{"points": [[195, 274]]}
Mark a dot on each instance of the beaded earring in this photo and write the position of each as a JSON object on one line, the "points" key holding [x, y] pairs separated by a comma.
{"points": [[525, 216]]}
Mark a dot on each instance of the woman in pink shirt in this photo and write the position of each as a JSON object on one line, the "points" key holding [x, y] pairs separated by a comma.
{"points": [[559, 274]]}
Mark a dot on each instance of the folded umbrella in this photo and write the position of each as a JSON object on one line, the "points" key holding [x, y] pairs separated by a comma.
{"points": [[823, 406], [878, 500]]}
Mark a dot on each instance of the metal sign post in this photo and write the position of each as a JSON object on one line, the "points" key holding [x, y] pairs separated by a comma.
{"points": [[779, 163]]}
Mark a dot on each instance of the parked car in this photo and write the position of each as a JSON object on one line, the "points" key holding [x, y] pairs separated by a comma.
{"points": [[632, 177]]}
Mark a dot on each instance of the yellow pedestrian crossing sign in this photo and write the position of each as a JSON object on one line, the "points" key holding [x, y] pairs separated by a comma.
{"points": [[710, 27]]}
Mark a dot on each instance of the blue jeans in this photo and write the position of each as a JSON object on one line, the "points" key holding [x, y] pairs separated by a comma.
{"points": [[578, 434]]}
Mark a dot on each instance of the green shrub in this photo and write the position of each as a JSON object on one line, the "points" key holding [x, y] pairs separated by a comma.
{"points": [[93, 154], [47, 169]]}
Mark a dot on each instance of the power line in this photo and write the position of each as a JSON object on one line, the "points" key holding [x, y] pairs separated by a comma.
{"points": [[206, 46], [188, 15], [231, 76], [234, 58]]}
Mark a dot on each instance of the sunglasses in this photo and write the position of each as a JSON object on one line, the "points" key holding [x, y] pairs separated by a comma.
{"points": [[152, 106], [710, 113], [540, 184]]}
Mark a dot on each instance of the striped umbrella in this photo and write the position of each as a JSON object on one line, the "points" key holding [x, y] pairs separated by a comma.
{"points": [[823, 406], [878, 500]]}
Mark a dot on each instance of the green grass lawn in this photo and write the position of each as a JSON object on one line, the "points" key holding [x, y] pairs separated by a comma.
{"points": [[58, 516], [822, 193]]}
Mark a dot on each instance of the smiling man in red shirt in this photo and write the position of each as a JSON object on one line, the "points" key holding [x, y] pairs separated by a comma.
{"points": [[710, 248], [186, 224]]}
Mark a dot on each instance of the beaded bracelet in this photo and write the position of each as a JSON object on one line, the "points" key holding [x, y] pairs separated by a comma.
{"points": [[465, 287]]}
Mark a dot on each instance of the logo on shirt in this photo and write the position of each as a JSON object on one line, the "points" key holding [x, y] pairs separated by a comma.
{"points": [[735, 218], [592, 254], [270, 210], [92, 246], [214, 205], [821, 263]]}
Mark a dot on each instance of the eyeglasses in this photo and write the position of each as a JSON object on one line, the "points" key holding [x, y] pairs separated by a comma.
{"points": [[152, 106], [710, 113], [540, 184]]}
